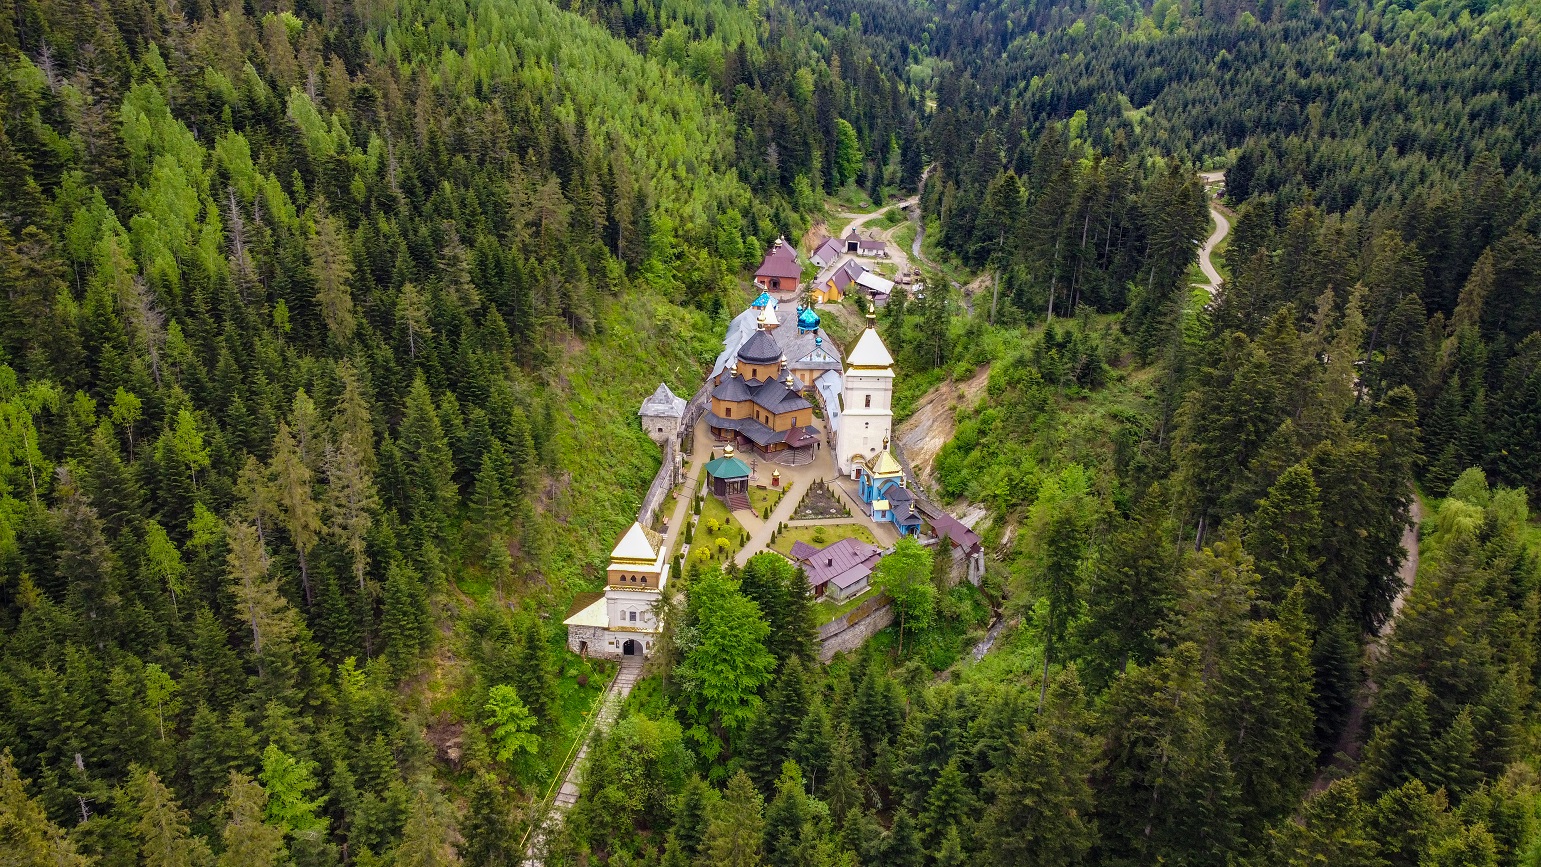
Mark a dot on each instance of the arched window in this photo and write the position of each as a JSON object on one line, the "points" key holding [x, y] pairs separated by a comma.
{"points": [[633, 617]]}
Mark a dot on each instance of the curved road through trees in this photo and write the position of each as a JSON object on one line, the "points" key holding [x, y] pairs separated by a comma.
{"points": [[1222, 228]]}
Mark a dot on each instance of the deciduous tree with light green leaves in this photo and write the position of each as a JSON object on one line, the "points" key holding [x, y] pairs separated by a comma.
{"points": [[723, 662], [905, 575], [511, 724]]}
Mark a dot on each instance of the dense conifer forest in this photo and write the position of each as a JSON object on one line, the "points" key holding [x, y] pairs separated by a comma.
{"points": [[324, 325]]}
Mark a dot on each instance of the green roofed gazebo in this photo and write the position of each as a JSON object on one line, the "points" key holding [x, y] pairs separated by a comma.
{"points": [[729, 475]]}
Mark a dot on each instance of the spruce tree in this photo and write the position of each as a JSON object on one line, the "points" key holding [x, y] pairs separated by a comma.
{"points": [[31, 838], [161, 824], [734, 835], [248, 840], [429, 469], [901, 845], [1282, 535], [535, 676], [301, 516], [489, 837], [404, 624]]}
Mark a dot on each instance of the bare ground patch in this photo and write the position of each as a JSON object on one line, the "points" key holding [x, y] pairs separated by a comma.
{"points": [[923, 434]]}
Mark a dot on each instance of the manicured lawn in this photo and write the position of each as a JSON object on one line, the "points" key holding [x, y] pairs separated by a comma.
{"points": [[715, 513], [826, 610], [831, 533], [759, 497]]}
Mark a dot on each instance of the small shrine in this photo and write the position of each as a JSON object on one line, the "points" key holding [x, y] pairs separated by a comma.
{"points": [[882, 487], [728, 474]]}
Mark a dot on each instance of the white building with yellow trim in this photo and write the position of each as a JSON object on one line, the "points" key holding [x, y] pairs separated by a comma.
{"points": [[623, 620], [866, 401]]}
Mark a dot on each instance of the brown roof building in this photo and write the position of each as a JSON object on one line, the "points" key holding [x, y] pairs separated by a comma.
{"points": [[780, 270]]}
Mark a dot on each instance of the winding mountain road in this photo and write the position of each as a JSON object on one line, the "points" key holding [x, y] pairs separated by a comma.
{"points": [[1222, 228]]}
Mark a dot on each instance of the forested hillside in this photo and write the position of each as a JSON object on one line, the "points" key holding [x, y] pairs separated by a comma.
{"points": [[1199, 505], [322, 334], [324, 325]]}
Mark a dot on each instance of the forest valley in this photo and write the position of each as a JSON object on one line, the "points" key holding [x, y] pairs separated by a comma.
{"points": [[323, 326]]}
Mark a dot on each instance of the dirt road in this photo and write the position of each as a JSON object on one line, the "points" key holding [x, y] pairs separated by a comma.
{"points": [[1222, 228]]}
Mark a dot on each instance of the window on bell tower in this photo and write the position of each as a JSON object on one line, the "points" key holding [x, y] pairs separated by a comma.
{"points": [[869, 401]]}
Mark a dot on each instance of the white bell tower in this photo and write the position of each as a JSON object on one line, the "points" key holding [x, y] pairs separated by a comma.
{"points": [[867, 395]]}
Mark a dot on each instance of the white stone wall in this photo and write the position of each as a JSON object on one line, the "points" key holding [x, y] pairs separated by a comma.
{"points": [[660, 428], [621, 605]]}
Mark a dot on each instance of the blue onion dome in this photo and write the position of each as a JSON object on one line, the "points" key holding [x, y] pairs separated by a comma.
{"points": [[807, 320]]}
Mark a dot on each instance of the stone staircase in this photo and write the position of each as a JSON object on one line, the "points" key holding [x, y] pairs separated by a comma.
{"points": [[631, 669], [567, 795], [737, 502]]}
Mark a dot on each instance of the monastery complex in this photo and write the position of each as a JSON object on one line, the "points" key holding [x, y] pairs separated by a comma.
{"points": [[779, 394]]}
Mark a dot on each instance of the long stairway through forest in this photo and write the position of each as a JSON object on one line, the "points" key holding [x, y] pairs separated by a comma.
{"points": [[549, 816]]}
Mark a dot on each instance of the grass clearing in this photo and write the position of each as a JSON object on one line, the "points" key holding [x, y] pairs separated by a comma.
{"points": [[826, 610], [829, 533], [761, 497], [714, 513]]}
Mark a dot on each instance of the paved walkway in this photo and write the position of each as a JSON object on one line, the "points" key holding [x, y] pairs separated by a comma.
{"points": [[800, 478], [609, 709], [701, 441]]}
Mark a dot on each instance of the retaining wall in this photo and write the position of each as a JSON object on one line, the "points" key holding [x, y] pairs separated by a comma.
{"points": [[849, 630]]}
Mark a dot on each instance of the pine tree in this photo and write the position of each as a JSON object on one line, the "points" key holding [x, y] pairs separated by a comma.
{"points": [[811, 745], [1333, 830], [262, 608], [431, 491], [1407, 820], [301, 515], [1282, 534], [350, 505], [331, 267], [691, 819], [405, 624], [787, 819], [1165, 787], [425, 839], [412, 317], [901, 845], [1399, 748], [1130, 591], [31, 838], [535, 677], [489, 837], [1042, 806], [1264, 703], [842, 790]]}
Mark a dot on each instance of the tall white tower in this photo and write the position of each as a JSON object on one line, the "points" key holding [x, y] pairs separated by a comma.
{"points": [[867, 416]]}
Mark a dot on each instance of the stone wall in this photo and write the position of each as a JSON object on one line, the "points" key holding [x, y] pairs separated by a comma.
{"points": [[848, 631], [671, 472], [668, 474]]}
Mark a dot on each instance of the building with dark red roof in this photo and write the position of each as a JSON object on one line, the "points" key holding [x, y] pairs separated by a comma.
{"points": [[841, 570], [780, 272]]}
